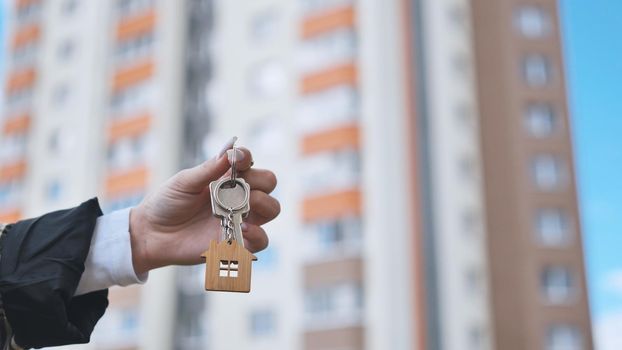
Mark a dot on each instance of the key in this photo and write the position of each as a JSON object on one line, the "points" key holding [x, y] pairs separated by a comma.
{"points": [[230, 202]]}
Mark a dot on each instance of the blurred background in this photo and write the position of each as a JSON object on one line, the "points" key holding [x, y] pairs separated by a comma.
{"points": [[424, 148]]}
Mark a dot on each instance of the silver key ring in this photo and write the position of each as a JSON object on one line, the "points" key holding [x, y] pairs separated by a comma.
{"points": [[235, 182], [234, 162]]}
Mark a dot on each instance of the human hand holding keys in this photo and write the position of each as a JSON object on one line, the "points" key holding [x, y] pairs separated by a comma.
{"points": [[176, 224]]}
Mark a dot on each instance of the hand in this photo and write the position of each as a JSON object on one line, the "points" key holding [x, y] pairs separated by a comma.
{"points": [[174, 225]]}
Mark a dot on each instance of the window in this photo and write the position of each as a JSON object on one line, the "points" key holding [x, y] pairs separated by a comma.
{"points": [[128, 152], [65, 50], [10, 193], [127, 7], [12, 147], [327, 50], [331, 171], [135, 48], [267, 79], [264, 26], [563, 337], [537, 70], [53, 190], [327, 109], [124, 202], [24, 56], [28, 12], [229, 268], [60, 94], [315, 6], [540, 120], [476, 338], [557, 285], [132, 100], [461, 64], [334, 304], [19, 101], [548, 172], [467, 168], [532, 22], [69, 6], [471, 221], [473, 281], [333, 238], [552, 227], [262, 323]]}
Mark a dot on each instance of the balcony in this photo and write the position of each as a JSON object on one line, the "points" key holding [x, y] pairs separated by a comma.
{"points": [[344, 17], [129, 127], [136, 25], [26, 35], [133, 75], [16, 125], [10, 216], [13, 171], [21, 80], [342, 137], [342, 75], [332, 206], [122, 183]]}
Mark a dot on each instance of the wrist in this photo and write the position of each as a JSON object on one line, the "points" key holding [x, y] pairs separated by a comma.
{"points": [[138, 241]]}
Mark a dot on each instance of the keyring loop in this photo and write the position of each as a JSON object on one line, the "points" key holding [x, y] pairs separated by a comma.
{"points": [[242, 184], [234, 162]]}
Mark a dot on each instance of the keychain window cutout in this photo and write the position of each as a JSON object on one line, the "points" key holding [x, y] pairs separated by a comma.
{"points": [[229, 268]]}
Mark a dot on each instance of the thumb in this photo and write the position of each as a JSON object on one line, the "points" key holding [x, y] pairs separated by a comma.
{"points": [[198, 178]]}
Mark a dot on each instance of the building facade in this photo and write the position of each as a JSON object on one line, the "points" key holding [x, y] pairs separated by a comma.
{"points": [[422, 147]]}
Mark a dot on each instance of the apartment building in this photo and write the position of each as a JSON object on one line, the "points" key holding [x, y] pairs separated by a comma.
{"points": [[423, 151], [537, 271]]}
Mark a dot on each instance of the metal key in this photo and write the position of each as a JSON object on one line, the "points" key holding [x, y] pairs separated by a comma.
{"points": [[230, 203]]}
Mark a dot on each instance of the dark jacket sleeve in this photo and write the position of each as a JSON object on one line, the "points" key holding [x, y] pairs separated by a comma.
{"points": [[41, 263]]}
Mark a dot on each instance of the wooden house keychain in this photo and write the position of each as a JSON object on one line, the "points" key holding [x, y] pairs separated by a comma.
{"points": [[228, 263]]}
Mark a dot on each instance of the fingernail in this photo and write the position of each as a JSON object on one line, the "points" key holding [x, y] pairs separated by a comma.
{"points": [[244, 227], [227, 147], [239, 155]]}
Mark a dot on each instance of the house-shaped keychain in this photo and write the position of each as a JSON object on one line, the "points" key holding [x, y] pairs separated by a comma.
{"points": [[228, 267]]}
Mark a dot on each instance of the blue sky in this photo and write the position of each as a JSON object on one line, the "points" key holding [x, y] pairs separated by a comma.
{"points": [[593, 50], [594, 71]]}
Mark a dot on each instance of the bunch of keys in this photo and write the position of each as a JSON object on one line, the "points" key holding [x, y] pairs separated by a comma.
{"points": [[228, 263]]}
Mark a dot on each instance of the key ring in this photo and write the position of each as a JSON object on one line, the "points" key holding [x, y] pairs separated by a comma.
{"points": [[234, 162]]}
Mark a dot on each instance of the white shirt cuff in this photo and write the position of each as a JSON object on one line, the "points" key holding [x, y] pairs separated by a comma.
{"points": [[109, 262]]}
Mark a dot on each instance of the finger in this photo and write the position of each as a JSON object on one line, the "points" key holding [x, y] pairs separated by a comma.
{"points": [[264, 205], [260, 179], [255, 238], [243, 158], [196, 179], [256, 219]]}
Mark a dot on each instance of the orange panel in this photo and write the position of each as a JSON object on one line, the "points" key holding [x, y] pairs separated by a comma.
{"points": [[341, 75], [329, 21], [332, 206], [130, 76], [10, 216], [127, 181], [22, 3], [128, 127], [26, 35], [12, 171], [20, 80], [17, 125], [136, 25], [331, 140]]}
